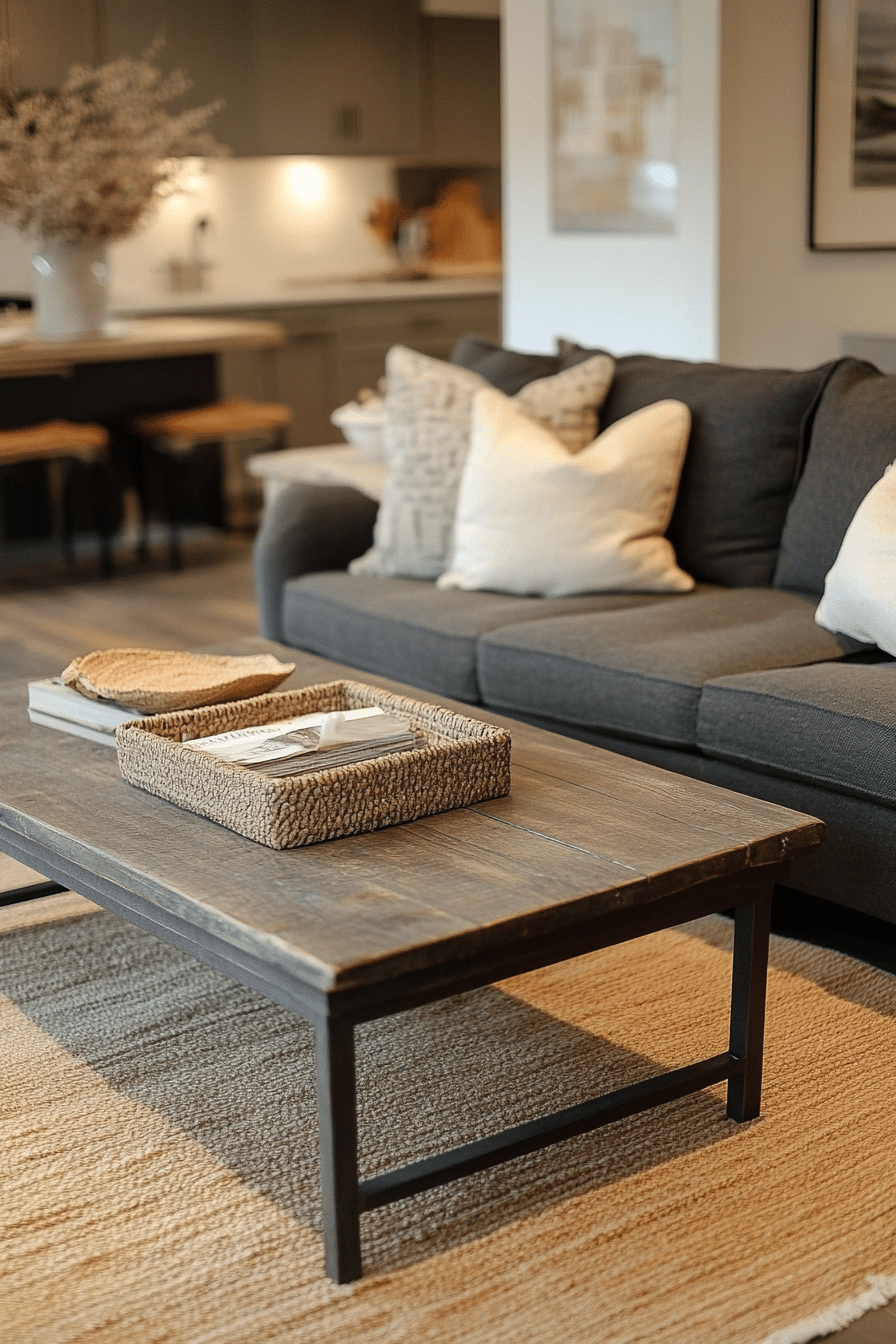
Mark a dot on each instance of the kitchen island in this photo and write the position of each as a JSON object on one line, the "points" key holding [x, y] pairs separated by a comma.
{"points": [[142, 364]]}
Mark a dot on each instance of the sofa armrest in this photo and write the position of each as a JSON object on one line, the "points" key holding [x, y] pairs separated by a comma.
{"points": [[306, 528]]}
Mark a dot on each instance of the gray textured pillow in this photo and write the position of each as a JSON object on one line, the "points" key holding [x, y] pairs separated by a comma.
{"points": [[427, 434], [853, 442]]}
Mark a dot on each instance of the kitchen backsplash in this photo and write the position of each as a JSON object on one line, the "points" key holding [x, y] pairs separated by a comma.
{"points": [[244, 225]]}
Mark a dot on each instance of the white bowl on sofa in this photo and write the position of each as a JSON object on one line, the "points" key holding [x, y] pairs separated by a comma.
{"points": [[362, 424]]}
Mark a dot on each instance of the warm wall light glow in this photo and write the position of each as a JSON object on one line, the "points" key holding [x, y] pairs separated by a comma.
{"points": [[306, 181]]}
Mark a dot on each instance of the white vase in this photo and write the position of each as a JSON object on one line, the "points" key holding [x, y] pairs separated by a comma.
{"points": [[71, 289]]}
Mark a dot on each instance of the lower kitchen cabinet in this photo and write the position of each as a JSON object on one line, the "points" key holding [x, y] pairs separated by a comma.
{"points": [[333, 350]]}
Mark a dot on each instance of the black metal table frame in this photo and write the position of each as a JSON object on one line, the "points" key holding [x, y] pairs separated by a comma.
{"points": [[334, 1015]]}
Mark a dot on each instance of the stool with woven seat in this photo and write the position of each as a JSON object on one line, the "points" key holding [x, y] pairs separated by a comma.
{"points": [[59, 443], [175, 434]]}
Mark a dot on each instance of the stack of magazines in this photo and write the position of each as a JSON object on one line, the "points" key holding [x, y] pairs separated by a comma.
{"points": [[55, 705], [312, 742]]}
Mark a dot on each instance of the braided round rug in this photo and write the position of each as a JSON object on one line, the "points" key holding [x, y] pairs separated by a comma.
{"points": [[158, 1141]]}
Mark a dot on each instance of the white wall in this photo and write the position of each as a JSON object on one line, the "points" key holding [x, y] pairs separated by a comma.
{"points": [[782, 304], [626, 292]]}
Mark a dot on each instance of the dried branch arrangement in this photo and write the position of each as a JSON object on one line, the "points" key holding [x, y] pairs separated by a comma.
{"points": [[90, 161]]}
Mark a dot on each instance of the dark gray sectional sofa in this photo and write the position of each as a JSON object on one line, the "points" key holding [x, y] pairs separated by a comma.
{"points": [[734, 682]]}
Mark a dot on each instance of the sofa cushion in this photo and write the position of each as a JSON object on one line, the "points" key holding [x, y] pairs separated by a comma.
{"points": [[853, 441], [860, 590], [427, 433], [566, 404], [638, 673], [407, 629], [742, 459], [832, 724], [507, 370], [613, 502]]}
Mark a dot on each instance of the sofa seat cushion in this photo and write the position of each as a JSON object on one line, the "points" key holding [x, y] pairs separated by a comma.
{"points": [[833, 724], [746, 441], [638, 673], [408, 630]]}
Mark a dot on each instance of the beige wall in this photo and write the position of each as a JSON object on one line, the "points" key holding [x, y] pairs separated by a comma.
{"points": [[780, 303]]}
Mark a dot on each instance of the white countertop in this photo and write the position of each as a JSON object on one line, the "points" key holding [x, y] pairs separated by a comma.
{"points": [[298, 294]]}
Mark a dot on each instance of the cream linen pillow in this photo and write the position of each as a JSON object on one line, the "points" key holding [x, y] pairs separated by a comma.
{"points": [[532, 519], [426, 433], [860, 590]]}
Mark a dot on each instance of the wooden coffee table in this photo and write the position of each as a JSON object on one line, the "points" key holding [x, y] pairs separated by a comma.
{"points": [[589, 849]]}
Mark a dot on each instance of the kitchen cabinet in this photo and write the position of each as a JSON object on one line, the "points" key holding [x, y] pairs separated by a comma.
{"points": [[49, 36], [296, 76], [205, 38], [335, 76], [461, 85], [333, 350]]}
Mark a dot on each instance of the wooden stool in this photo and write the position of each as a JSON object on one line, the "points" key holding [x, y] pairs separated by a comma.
{"points": [[58, 443], [175, 434]]}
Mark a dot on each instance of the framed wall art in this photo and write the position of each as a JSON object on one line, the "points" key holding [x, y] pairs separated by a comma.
{"points": [[853, 186], [614, 113]]}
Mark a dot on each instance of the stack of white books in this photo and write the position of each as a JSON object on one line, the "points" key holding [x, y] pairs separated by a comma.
{"points": [[312, 742], [55, 705]]}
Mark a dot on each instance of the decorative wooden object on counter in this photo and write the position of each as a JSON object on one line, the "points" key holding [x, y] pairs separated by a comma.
{"points": [[175, 434], [58, 442]]}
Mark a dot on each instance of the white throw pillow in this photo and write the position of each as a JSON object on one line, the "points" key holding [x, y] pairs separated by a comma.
{"points": [[533, 519], [428, 411], [860, 590]]}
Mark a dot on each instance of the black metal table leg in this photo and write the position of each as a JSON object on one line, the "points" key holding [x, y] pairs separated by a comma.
{"points": [[334, 1042], [748, 983]]}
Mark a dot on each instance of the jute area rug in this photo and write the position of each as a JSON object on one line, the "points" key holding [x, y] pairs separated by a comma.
{"points": [[159, 1150]]}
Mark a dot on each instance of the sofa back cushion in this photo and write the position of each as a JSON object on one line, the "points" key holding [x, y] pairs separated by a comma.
{"points": [[742, 459], [853, 441], [507, 370]]}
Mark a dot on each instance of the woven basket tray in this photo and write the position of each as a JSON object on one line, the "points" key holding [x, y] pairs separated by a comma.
{"points": [[463, 762]]}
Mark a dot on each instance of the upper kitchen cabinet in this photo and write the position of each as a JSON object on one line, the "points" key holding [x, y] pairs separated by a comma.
{"points": [[335, 76], [205, 38], [48, 36], [461, 91]]}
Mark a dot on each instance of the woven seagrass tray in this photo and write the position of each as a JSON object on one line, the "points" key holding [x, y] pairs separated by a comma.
{"points": [[463, 762]]}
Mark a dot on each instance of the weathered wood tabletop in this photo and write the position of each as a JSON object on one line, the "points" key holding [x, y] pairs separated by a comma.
{"points": [[583, 831]]}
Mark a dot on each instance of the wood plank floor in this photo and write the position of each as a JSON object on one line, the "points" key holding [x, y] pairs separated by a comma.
{"points": [[46, 621]]}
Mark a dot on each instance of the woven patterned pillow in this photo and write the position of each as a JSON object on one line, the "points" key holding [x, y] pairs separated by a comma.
{"points": [[567, 403], [427, 434]]}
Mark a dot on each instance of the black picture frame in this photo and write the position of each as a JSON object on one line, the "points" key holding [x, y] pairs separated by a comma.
{"points": [[852, 192]]}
